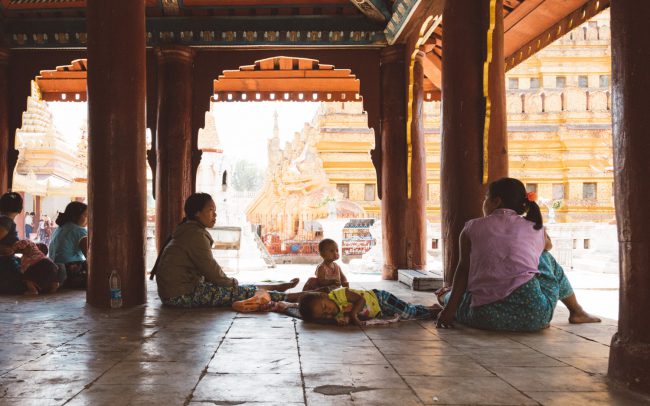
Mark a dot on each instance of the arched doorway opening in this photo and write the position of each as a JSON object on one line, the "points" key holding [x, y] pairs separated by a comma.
{"points": [[323, 165]]}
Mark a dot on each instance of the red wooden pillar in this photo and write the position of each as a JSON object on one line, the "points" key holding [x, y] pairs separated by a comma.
{"points": [[173, 138], [403, 219], [393, 168], [4, 121], [416, 205], [629, 361], [116, 149], [463, 118]]}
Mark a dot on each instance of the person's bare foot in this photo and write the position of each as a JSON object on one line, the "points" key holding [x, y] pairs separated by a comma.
{"points": [[293, 282], [580, 317]]}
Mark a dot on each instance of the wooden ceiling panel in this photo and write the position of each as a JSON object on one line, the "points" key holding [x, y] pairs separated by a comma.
{"points": [[532, 18]]}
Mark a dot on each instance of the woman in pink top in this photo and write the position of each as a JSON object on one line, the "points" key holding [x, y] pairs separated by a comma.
{"points": [[505, 279]]}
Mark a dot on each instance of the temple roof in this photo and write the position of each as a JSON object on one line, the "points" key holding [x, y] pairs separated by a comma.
{"points": [[529, 25]]}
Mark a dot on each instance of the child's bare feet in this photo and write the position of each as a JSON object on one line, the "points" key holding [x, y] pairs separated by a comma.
{"points": [[581, 316]]}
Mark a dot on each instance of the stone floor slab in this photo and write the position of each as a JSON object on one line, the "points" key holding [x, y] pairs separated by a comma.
{"points": [[551, 379], [386, 397], [589, 365], [467, 391], [373, 376], [173, 374], [273, 388], [132, 395], [437, 365], [610, 398], [265, 345], [254, 363]]}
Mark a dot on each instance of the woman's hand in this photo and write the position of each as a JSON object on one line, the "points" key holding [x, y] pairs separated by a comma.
{"points": [[445, 318]]}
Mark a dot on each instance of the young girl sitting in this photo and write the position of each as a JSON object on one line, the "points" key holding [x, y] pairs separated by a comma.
{"points": [[328, 274], [355, 306], [504, 279], [40, 274]]}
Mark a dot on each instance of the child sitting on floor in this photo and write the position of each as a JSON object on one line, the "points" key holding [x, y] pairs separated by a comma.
{"points": [[355, 306], [40, 274], [328, 274]]}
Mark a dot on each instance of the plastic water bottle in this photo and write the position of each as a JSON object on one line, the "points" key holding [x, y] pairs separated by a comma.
{"points": [[116, 290]]}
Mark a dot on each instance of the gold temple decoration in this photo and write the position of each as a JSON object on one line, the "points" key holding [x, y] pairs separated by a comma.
{"points": [[424, 35], [486, 88]]}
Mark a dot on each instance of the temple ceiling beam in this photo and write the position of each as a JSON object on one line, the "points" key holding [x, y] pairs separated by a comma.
{"points": [[209, 31], [433, 69], [530, 28], [376, 10], [409, 16]]}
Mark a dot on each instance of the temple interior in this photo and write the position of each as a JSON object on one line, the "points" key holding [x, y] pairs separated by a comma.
{"points": [[553, 92]]}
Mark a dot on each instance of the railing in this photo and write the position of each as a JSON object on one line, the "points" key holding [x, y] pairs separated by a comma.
{"points": [[268, 259], [561, 100]]}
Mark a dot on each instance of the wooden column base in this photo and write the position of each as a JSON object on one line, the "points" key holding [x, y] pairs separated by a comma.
{"points": [[628, 364]]}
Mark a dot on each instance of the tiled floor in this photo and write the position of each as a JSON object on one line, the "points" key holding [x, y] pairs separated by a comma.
{"points": [[56, 350]]}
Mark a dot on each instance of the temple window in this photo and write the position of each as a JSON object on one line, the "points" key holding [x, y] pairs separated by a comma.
{"points": [[603, 80], [369, 192], [534, 83], [589, 191], [513, 83], [531, 187], [583, 81], [586, 243], [344, 188], [560, 82], [558, 191]]}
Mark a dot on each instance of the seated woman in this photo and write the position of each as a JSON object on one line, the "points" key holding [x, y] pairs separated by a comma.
{"points": [[504, 279], [188, 275], [69, 244], [11, 279]]}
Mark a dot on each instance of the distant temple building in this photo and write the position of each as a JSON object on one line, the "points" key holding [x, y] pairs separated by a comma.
{"points": [[50, 172], [559, 141]]}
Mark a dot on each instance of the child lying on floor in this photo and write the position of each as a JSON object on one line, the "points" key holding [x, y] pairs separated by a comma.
{"points": [[356, 306], [262, 302]]}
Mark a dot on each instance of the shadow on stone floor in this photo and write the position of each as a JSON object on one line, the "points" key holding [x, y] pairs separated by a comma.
{"points": [[55, 350]]}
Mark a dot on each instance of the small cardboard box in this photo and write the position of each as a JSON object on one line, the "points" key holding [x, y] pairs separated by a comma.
{"points": [[420, 280]]}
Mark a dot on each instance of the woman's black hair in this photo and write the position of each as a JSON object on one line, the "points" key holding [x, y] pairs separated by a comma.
{"points": [[11, 202], [514, 197], [306, 307], [72, 213], [194, 204]]}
